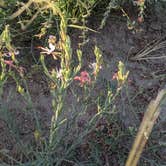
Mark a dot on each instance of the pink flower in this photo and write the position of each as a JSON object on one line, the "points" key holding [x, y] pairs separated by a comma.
{"points": [[84, 78], [10, 63], [140, 19], [20, 69], [115, 76]]}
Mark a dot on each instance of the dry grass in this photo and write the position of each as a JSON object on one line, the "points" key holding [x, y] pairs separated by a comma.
{"points": [[145, 129], [151, 51]]}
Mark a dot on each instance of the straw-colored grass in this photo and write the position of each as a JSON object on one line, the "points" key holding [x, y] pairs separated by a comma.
{"points": [[145, 129], [150, 51]]}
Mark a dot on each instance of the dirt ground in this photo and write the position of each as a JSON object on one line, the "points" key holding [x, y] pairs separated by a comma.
{"points": [[117, 43]]}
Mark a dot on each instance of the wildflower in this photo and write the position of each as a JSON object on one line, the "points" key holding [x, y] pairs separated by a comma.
{"points": [[52, 39], [59, 73], [84, 78], [141, 1], [95, 67], [10, 63], [9, 54], [115, 76], [140, 19], [51, 45], [52, 50], [46, 50], [20, 69], [121, 75]]}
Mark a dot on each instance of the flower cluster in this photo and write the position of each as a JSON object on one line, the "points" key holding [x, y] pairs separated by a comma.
{"points": [[84, 78]]}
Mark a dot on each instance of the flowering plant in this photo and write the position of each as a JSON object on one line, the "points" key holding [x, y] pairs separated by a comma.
{"points": [[84, 78]]}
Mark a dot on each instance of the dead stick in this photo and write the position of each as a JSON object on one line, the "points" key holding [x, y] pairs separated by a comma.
{"points": [[145, 129]]}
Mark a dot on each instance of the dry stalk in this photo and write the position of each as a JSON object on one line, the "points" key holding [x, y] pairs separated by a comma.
{"points": [[21, 10], [149, 52], [145, 129]]}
